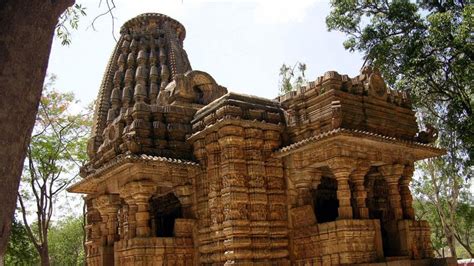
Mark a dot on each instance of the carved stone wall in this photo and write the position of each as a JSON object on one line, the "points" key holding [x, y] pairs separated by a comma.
{"points": [[338, 242], [246, 202], [154, 251]]}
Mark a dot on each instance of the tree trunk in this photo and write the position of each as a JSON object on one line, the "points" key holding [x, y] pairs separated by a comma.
{"points": [[44, 255], [451, 243], [26, 34]]}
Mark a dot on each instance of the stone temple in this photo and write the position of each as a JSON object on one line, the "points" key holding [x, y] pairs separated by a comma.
{"points": [[183, 172]]}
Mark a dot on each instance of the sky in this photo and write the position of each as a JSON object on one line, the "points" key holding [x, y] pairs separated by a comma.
{"points": [[242, 44]]}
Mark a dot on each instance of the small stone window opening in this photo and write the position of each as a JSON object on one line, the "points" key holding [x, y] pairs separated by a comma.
{"points": [[325, 200], [165, 210], [199, 95]]}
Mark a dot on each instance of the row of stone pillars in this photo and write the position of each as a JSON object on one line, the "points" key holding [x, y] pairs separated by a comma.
{"points": [[107, 217], [397, 176]]}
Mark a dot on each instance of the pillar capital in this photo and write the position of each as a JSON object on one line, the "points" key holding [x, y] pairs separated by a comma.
{"points": [[342, 165], [361, 169], [138, 189], [391, 172], [107, 203]]}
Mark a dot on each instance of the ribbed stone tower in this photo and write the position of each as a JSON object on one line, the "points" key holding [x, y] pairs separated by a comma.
{"points": [[182, 172], [149, 93]]}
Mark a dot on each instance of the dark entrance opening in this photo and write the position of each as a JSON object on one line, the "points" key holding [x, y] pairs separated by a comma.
{"points": [[379, 208], [199, 95], [325, 200], [165, 209]]}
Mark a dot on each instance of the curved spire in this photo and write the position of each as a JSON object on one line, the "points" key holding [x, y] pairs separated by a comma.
{"points": [[148, 56]]}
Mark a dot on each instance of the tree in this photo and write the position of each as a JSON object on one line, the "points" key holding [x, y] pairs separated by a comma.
{"points": [[66, 245], [425, 47], [288, 81], [443, 198], [442, 193], [64, 238], [56, 150], [20, 250], [27, 30]]}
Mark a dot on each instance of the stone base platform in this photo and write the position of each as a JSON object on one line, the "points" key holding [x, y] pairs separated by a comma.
{"points": [[154, 251], [398, 261]]}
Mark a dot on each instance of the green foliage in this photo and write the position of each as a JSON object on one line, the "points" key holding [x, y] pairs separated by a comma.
{"points": [[66, 242], [424, 210], [69, 19], [425, 47], [20, 250], [444, 198], [291, 79], [56, 151]]}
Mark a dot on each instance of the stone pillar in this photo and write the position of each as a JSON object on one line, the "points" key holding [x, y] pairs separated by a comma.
{"points": [[392, 174], [360, 192], [184, 193], [405, 193], [214, 231], [93, 234], [277, 199], [132, 222], [138, 193], [141, 195], [93, 221], [124, 222], [291, 191], [234, 193], [257, 192], [131, 208], [304, 182], [203, 255], [342, 169], [108, 206]]}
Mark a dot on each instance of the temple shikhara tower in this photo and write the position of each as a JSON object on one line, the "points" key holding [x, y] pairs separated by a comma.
{"points": [[183, 172]]}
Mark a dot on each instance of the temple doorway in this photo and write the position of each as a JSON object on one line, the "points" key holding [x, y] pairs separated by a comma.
{"points": [[325, 202], [379, 208], [165, 210]]}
